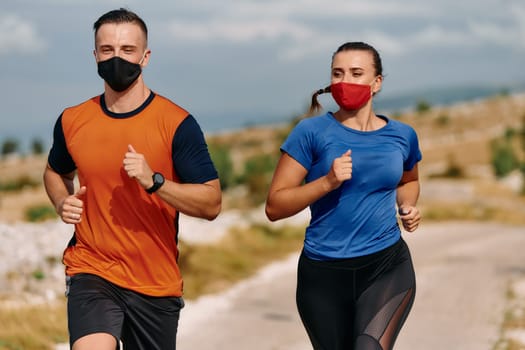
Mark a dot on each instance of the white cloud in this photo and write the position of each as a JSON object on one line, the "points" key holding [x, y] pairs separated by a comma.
{"points": [[19, 36], [299, 23], [89, 2], [246, 20], [510, 34], [238, 30], [325, 9]]}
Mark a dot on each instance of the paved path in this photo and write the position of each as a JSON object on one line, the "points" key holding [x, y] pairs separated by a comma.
{"points": [[463, 271]]}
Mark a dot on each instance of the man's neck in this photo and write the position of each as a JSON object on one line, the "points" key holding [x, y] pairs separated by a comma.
{"points": [[128, 100]]}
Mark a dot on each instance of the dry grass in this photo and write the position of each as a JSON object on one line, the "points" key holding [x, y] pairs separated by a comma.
{"points": [[211, 268], [47, 326], [14, 204]]}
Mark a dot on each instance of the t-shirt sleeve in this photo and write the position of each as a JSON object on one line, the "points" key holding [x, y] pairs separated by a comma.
{"points": [[414, 153], [191, 158], [298, 145], [59, 158]]}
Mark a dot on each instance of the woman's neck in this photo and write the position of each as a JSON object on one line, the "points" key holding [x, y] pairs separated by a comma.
{"points": [[363, 119]]}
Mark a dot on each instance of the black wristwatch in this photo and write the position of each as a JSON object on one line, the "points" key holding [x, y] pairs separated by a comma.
{"points": [[158, 180]]}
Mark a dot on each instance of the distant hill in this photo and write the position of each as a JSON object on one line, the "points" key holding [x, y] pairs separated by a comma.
{"points": [[444, 95]]}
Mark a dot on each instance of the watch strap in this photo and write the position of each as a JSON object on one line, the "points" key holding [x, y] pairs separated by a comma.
{"points": [[156, 183]]}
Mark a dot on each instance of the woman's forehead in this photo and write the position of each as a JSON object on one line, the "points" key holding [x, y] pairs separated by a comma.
{"points": [[353, 58]]}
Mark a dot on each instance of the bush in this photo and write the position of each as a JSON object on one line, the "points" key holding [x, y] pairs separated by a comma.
{"points": [[504, 159], [422, 106], [40, 213], [220, 154], [18, 184], [443, 120], [10, 146], [258, 172], [37, 147], [38, 274]]}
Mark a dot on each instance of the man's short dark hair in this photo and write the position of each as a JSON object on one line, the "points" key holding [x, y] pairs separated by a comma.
{"points": [[121, 15]]}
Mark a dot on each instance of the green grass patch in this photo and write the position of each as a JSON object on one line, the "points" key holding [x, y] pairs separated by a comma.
{"points": [[18, 184], [40, 213]]}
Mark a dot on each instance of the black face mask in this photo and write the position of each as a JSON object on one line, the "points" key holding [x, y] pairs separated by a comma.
{"points": [[119, 73]]}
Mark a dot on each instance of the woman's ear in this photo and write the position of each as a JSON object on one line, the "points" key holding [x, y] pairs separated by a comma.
{"points": [[376, 86]]}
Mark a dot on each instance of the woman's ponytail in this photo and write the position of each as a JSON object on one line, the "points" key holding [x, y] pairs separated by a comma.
{"points": [[315, 106]]}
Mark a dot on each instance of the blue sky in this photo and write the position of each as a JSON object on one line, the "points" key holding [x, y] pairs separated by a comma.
{"points": [[235, 62]]}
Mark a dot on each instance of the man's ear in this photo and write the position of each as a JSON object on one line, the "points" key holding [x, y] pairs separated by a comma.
{"points": [[145, 60]]}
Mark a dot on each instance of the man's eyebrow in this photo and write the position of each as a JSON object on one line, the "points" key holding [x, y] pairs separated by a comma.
{"points": [[125, 46], [128, 46]]}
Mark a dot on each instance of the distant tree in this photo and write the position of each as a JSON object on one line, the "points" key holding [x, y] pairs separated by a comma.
{"points": [[422, 106], [37, 147], [504, 159], [10, 146], [504, 92]]}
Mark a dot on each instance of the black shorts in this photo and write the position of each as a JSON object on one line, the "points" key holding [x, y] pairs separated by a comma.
{"points": [[95, 305]]}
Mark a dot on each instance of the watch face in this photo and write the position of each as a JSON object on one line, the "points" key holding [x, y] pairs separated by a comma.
{"points": [[158, 181], [158, 178]]}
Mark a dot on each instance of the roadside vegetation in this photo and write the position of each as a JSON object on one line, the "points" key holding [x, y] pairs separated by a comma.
{"points": [[206, 269], [245, 161]]}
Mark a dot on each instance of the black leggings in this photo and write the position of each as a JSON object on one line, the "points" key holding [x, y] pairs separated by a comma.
{"points": [[357, 303]]}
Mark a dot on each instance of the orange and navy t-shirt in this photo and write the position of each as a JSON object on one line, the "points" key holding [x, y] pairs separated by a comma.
{"points": [[126, 235]]}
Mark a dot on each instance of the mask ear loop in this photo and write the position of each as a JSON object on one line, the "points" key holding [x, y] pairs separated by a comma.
{"points": [[143, 57]]}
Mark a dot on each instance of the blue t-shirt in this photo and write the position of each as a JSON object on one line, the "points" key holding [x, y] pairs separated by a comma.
{"points": [[359, 217]]}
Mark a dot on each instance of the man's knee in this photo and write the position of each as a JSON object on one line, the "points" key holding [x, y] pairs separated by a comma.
{"points": [[99, 341]]}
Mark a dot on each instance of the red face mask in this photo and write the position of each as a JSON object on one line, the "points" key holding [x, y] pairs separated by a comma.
{"points": [[350, 96]]}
